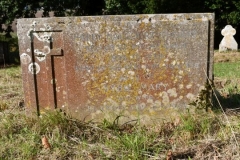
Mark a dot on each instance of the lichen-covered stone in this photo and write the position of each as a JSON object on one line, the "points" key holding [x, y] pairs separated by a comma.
{"points": [[136, 65]]}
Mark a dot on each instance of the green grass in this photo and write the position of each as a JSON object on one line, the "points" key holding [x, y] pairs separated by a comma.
{"points": [[227, 70]]}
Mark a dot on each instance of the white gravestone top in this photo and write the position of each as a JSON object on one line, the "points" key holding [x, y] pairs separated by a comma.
{"points": [[228, 41]]}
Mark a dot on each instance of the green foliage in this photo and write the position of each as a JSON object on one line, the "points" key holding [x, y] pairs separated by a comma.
{"points": [[124, 7], [203, 100], [10, 10], [153, 6], [199, 125], [227, 12], [134, 143], [182, 6]]}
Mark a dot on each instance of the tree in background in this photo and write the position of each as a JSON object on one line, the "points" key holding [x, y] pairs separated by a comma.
{"points": [[226, 11], [12, 9], [72, 7], [153, 6], [9, 11]]}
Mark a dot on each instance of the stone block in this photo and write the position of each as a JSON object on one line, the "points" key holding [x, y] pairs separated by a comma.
{"points": [[102, 66]]}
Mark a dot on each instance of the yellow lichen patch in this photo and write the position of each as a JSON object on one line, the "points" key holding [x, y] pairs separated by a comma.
{"points": [[129, 67]]}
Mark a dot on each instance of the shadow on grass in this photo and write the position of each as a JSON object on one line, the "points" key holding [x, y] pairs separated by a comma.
{"points": [[2, 66], [227, 92], [229, 102]]}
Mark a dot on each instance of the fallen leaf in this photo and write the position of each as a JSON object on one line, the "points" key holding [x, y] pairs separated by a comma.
{"points": [[45, 143], [169, 155], [177, 121]]}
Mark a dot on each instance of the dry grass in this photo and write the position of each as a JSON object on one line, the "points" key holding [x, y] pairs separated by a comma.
{"points": [[227, 56], [11, 92], [194, 136]]}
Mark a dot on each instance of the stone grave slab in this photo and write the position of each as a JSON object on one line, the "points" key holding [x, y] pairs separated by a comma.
{"points": [[101, 66]]}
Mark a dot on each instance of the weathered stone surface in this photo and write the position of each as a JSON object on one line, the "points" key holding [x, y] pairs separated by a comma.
{"points": [[228, 41], [100, 66]]}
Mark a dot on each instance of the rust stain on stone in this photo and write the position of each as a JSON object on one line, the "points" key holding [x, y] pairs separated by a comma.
{"points": [[95, 66]]}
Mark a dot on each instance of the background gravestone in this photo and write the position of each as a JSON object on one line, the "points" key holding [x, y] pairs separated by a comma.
{"points": [[95, 67], [228, 41]]}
